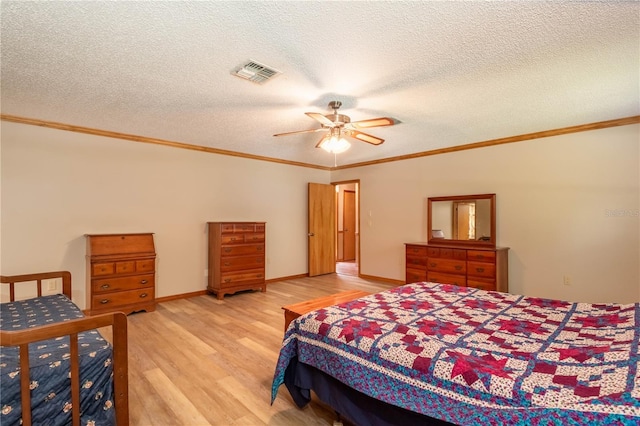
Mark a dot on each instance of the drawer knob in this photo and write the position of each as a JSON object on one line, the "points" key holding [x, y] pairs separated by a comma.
{"points": [[259, 275], [432, 264], [226, 263], [105, 286], [143, 281], [227, 250], [233, 238], [458, 267], [104, 301], [260, 249], [143, 295], [479, 269], [227, 280]]}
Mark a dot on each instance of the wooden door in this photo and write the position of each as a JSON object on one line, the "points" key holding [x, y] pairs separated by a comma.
{"points": [[461, 221], [349, 226], [322, 223]]}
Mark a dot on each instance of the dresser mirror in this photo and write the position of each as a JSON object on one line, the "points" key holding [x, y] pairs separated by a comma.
{"points": [[468, 220]]}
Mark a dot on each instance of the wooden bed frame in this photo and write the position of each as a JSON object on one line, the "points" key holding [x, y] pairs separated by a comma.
{"points": [[117, 321]]}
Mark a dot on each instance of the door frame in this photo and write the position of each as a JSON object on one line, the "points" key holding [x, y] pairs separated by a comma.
{"points": [[358, 190]]}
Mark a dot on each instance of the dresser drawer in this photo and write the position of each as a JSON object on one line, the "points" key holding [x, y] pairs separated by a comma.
{"points": [[242, 262], [416, 251], [446, 265], [437, 277], [254, 238], [415, 275], [244, 227], [105, 285], [121, 298], [489, 285], [482, 269], [447, 253], [232, 239], [242, 250], [482, 256], [232, 278], [416, 262]]}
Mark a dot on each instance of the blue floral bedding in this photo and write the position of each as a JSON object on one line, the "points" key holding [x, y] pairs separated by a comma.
{"points": [[49, 362], [470, 357]]}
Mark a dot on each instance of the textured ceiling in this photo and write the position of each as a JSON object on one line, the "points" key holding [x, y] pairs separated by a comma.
{"points": [[451, 73]]}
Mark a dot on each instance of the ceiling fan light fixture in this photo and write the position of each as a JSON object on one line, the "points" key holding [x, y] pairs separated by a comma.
{"points": [[335, 144]]}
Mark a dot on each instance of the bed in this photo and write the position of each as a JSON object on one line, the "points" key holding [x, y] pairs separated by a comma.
{"points": [[427, 353], [74, 375]]}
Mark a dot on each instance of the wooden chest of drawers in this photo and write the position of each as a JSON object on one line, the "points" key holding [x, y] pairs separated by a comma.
{"points": [[479, 267], [121, 272], [236, 257]]}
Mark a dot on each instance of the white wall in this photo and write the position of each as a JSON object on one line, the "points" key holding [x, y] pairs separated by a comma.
{"points": [[566, 205], [58, 186]]}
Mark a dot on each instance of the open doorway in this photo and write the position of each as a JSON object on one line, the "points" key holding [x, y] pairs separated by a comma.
{"points": [[347, 228]]}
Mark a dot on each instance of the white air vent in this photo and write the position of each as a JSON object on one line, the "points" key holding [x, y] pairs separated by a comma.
{"points": [[256, 72]]}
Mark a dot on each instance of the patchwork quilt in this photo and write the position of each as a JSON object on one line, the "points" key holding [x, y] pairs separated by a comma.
{"points": [[50, 364], [469, 356]]}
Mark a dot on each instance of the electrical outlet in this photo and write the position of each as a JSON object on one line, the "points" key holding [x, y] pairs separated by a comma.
{"points": [[52, 285], [566, 280]]}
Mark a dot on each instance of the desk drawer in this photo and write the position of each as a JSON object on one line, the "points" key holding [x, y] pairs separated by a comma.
{"points": [[122, 298], [106, 285]]}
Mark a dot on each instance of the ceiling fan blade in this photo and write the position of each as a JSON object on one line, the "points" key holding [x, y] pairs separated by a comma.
{"points": [[373, 122], [321, 118], [320, 141], [301, 131], [365, 137]]}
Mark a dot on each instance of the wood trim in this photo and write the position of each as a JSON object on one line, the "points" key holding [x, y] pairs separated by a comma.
{"points": [[381, 279], [290, 277], [511, 139], [181, 296], [144, 139]]}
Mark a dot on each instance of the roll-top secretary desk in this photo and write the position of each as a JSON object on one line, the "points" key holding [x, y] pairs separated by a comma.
{"points": [[121, 270]]}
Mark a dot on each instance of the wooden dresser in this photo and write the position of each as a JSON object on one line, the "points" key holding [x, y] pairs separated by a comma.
{"points": [[480, 267], [236, 257], [121, 273]]}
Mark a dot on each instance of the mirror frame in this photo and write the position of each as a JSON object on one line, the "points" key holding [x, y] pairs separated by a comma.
{"points": [[466, 243]]}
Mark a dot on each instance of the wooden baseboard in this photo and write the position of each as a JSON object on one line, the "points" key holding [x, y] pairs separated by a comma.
{"points": [[290, 277], [381, 279], [181, 296]]}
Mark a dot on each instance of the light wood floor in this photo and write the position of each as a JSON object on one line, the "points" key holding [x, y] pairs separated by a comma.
{"points": [[202, 361]]}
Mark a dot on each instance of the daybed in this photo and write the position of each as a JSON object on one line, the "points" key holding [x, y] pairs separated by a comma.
{"points": [[73, 375], [425, 353]]}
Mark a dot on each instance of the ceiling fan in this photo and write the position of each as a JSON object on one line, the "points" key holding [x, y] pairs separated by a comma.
{"points": [[338, 125]]}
